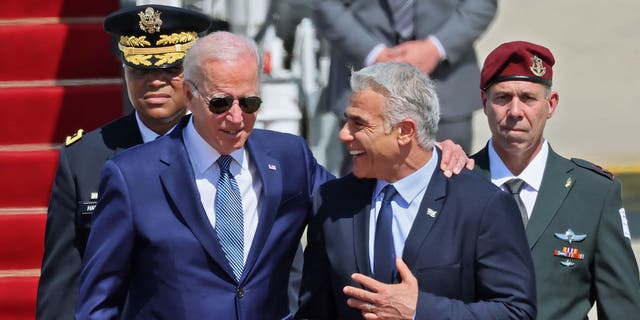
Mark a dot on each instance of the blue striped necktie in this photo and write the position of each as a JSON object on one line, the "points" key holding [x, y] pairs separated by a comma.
{"points": [[229, 219], [384, 254]]}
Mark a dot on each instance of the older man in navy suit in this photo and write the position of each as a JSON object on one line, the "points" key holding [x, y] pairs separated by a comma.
{"points": [[460, 245]]}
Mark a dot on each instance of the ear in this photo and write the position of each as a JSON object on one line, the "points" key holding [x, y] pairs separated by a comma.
{"points": [[483, 96], [554, 98], [187, 89], [406, 131]]}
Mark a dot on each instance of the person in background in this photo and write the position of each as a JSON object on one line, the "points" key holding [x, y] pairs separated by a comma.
{"points": [[436, 36], [153, 74], [396, 239], [572, 209]]}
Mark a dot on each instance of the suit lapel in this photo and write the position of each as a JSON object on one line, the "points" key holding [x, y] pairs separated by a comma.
{"points": [[556, 184], [269, 171], [431, 204], [177, 179], [362, 194]]}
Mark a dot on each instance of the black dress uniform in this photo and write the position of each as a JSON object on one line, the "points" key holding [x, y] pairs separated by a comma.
{"points": [[73, 198], [149, 37]]}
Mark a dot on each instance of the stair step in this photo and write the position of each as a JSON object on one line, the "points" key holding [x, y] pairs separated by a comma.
{"points": [[56, 8], [27, 177], [18, 297], [56, 51], [22, 240], [60, 111]]}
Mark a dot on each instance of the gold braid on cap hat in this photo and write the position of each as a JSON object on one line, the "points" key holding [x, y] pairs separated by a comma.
{"points": [[170, 48]]}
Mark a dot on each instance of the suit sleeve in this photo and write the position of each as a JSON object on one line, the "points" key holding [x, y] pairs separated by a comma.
{"points": [[62, 260], [464, 27], [505, 281], [616, 271], [335, 22], [107, 260]]}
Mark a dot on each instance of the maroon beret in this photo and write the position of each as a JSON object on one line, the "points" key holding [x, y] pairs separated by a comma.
{"points": [[517, 60]]}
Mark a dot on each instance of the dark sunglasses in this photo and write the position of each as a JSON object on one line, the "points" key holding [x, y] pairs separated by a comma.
{"points": [[220, 105]]}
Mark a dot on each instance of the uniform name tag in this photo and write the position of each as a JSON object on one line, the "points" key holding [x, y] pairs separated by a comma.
{"points": [[88, 207]]}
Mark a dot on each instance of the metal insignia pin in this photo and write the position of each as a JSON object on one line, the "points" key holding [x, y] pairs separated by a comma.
{"points": [[94, 196], [431, 213], [570, 236], [567, 263], [568, 183], [272, 166]]}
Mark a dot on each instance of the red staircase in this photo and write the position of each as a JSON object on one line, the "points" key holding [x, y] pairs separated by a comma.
{"points": [[57, 75]]}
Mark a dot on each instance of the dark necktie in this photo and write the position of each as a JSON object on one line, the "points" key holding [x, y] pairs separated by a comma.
{"points": [[514, 186], [403, 14], [383, 249], [229, 219]]}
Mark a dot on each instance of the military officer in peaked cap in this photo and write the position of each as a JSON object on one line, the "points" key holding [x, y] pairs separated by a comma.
{"points": [[571, 209], [152, 41]]}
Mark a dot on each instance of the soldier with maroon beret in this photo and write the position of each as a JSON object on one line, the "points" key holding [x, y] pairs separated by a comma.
{"points": [[571, 209]]}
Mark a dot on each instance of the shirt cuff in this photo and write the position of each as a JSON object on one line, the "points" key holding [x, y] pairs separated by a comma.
{"points": [[373, 54], [438, 44]]}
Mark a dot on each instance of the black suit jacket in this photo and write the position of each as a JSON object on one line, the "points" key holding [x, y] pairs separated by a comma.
{"points": [[69, 215], [470, 258], [580, 196]]}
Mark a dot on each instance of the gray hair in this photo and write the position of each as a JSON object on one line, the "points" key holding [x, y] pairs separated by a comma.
{"points": [[410, 95], [224, 46]]}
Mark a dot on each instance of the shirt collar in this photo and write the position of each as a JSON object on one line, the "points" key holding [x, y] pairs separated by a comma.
{"points": [[204, 155], [531, 174], [412, 185], [146, 133]]}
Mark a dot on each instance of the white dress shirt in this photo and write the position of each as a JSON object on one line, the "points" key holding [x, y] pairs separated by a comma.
{"points": [[207, 172], [532, 174], [405, 205]]}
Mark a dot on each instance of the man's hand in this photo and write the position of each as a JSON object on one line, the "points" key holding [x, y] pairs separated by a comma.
{"points": [[383, 56], [385, 301], [422, 54], [453, 158]]}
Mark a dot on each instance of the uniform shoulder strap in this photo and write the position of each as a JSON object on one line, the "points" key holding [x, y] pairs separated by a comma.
{"points": [[593, 167]]}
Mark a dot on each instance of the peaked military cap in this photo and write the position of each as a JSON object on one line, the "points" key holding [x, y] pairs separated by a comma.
{"points": [[517, 60], [155, 36]]}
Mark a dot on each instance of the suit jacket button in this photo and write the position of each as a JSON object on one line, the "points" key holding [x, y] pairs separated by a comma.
{"points": [[240, 292]]}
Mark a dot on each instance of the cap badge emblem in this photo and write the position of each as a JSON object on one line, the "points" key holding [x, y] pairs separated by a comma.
{"points": [[150, 20], [536, 66]]}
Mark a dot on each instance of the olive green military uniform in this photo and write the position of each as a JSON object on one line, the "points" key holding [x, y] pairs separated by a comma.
{"points": [[581, 202]]}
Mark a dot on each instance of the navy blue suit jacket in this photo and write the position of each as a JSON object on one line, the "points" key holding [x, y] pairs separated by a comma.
{"points": [[152, 245], [471, 260]]}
